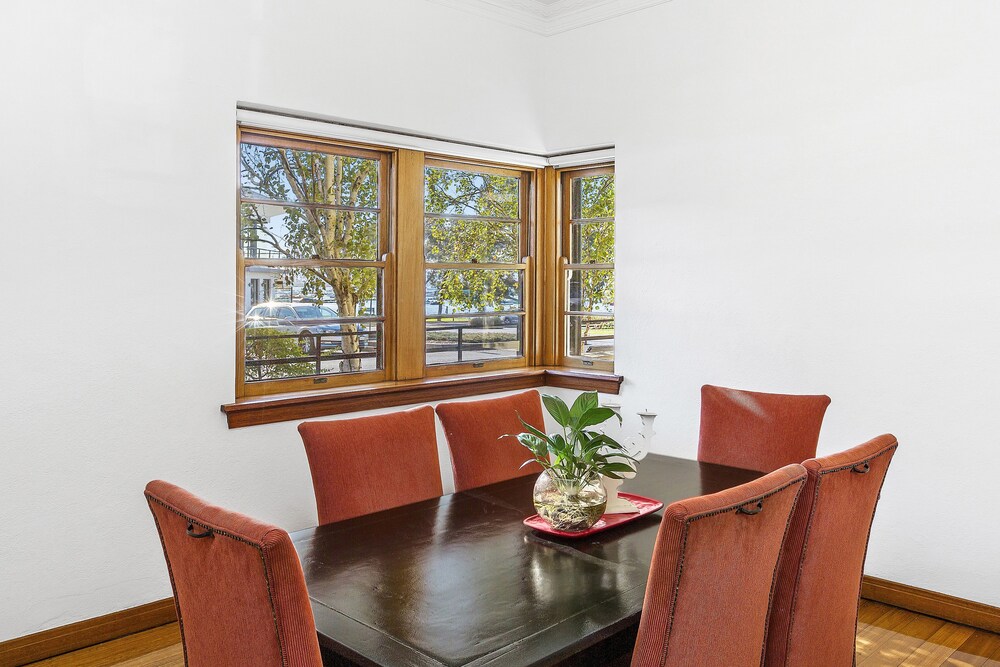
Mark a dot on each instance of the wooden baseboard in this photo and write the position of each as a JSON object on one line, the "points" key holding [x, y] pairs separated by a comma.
{"points": [[74, 636], [56, 641], [930, 603]]}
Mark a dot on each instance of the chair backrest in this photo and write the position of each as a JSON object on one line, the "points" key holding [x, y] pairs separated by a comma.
{"points": [[757, 431], [480, 454], [240, 595], [369, 464], [712, 574], [815, 613]]}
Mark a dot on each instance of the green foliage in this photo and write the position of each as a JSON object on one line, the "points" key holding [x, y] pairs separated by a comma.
{"points": [[471, 193], [593, 242], [288, 230], [289, 177], [488, 236], [578, 452], [267, 345], [594, 197], [497, 336]]}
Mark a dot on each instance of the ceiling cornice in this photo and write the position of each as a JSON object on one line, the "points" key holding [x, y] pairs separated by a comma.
{"points": [[549, 18]]}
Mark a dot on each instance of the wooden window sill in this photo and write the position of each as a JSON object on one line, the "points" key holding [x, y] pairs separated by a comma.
{"points": [[303, 405]]}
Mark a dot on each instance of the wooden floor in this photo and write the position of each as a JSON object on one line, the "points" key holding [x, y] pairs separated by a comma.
{"points": [[887, 637]]}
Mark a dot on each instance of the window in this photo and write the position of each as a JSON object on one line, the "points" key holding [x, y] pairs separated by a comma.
{"points": [[474, 243], [363, 264], [312, 222], [588, 230]]}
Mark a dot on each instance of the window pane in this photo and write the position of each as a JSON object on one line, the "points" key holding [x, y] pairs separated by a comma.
{"points": [[291, 232], [450, 291], [274, 352], [335, 292], [590, 290], [311, 327], [464, 240], [592, 242], [593, 197], [456, 192], [283, 174], [591, 337], [452, 340]]}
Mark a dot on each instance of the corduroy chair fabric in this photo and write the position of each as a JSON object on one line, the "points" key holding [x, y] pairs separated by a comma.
{"points": [[479, 453], [238, 587], [712, 575], [369, 464], [815, 613], [757, 431]]}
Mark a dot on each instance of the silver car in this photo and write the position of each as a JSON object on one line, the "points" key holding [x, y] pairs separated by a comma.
{"points": [[310, 322]]}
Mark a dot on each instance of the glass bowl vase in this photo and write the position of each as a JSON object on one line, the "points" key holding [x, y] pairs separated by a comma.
{"points": [[567, 504]]}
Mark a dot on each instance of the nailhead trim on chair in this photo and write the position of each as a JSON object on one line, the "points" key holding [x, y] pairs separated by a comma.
{"points": [[680, 561], [805, 543]]}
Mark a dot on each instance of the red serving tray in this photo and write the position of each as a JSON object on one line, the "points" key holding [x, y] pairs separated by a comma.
{"points": [[645, 505]]}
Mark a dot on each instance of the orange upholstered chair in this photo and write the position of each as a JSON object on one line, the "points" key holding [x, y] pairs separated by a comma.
{"points": [[479, 453], [756, 431], [369, 464], [815, 612], [713, 569], [238, 587]]}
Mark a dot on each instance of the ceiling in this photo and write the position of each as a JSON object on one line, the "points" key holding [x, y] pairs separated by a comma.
{"points": [[549, 17]]}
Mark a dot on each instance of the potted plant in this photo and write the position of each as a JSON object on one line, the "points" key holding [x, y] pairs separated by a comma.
{"points": [[569, 494]]}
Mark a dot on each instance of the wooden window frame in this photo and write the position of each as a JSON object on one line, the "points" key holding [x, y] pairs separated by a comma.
{"points": [[565, 177], [405, 377], [524, 265], [386, 208]]}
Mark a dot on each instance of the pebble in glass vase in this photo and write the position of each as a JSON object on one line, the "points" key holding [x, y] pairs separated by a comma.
{"points": [[570, 505]]}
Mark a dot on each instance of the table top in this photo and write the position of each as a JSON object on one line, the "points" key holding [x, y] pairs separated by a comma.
{"points": [[459, 580]]}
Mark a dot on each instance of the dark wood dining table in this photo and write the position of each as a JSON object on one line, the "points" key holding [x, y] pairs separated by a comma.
{"points": [[459, 580]]}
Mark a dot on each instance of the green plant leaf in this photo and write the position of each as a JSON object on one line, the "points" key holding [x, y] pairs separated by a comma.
{"points": [[595, 416], [558, 445], [532, 429], [594, 441], [583, 402], [557, 408], [536, 445], [616, 467]]}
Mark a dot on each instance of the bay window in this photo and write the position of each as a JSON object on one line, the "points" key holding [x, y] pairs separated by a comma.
{"points": [[385, 268]]}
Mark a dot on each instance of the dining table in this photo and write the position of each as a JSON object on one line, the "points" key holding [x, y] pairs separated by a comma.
{"points": [[460, 580]]}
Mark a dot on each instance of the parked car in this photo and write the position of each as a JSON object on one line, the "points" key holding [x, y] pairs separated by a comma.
{"points": [[307, 320]]}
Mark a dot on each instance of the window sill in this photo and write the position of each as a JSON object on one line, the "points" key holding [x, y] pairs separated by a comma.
{"points": [[303, 405]]}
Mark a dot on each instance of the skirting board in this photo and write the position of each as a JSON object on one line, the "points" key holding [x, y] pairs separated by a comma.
{"points": [[66, 638], [50, 643], [930, 603]]}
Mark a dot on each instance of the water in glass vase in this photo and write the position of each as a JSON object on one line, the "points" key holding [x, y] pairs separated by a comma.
{"points": [[571, 505]]}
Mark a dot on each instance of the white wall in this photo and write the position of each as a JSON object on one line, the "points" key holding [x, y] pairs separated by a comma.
{"points": [[811, 186], [808, 201], [118, 181]]}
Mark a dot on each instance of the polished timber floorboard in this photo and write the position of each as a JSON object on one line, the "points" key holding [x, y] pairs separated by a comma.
{"points": [[887, 637]]}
